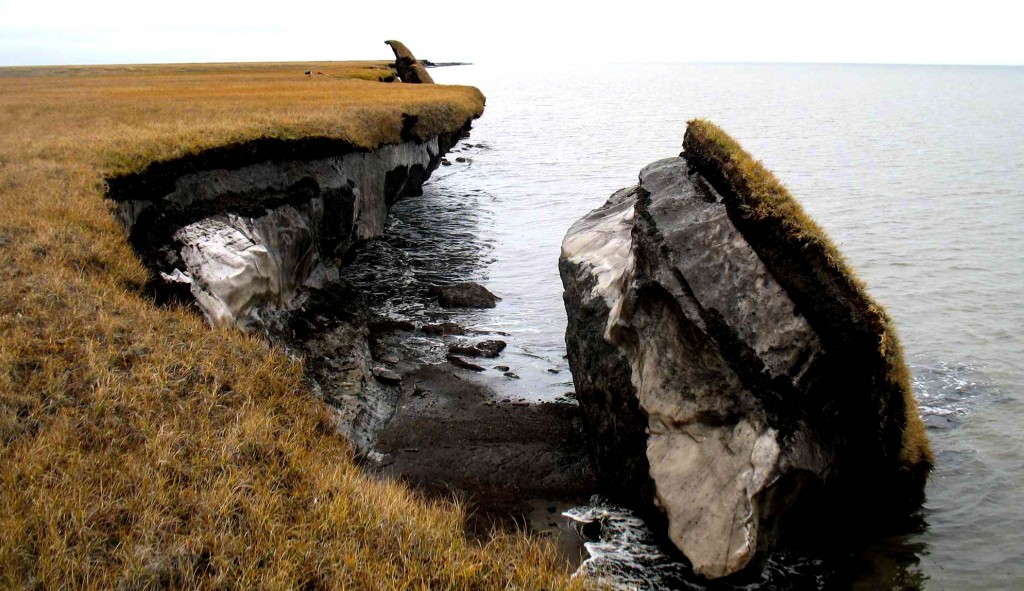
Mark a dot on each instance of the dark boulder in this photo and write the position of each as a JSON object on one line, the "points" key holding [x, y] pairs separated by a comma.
{"points": [[465, 295], [444, 328], [386, 376], [460, 362], [489, 349]]}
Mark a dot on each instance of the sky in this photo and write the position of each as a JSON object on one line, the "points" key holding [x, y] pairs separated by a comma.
{"points": [[40, 32]]}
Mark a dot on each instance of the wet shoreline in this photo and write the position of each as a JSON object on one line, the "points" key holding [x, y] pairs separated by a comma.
{"points": [[376, 344]]}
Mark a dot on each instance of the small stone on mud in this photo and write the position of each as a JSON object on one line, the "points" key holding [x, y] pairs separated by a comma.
{"points": [[444, 328], [490, 349], [460, 362], [386, 376], [464, 295], [468, 351]]}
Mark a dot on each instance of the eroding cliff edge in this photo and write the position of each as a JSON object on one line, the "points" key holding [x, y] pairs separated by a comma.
{"points": [[732, 373], [246, 228], [256, 235]]}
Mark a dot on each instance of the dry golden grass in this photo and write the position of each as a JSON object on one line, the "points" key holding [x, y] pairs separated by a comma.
{"points": [[139, 447], [763, 197], [134, 115]]}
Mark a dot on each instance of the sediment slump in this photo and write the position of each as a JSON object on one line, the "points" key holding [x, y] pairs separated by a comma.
{"points": [[730, 369], [245, 228]]}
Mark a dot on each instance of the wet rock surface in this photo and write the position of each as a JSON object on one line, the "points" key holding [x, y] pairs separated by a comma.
{"points": [[459, 362], [489, 349], [444, 328], [465, 295], [287, 249], [707, 395], [386, 376]]}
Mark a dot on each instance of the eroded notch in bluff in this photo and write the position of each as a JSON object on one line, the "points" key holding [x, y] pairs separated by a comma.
{"points": [[243, 230]]}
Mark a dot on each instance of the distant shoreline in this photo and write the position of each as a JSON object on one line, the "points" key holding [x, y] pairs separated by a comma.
{"points": [[430, 64]]}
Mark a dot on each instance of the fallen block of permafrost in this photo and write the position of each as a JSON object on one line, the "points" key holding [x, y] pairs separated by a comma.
{"points": [[410, 69], [732, 372]]}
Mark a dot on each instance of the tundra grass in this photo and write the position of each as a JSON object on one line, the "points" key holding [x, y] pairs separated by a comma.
{"points": [[764, 198], [140, 448]]}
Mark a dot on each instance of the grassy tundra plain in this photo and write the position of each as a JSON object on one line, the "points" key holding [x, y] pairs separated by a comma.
{"points": [[140, 448]]}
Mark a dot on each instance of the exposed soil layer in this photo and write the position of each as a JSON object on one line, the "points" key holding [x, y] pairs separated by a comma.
{"points": [[246, 228], [158, 178]]}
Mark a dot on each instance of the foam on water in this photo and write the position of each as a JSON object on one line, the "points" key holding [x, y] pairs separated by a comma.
{"points": [[946, 392]]}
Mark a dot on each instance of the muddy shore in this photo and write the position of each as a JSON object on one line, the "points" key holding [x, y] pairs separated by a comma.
{"points": [[515, 462]]}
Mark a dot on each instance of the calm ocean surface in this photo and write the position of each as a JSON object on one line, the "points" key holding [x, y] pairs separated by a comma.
{"points": [[916, 172]]}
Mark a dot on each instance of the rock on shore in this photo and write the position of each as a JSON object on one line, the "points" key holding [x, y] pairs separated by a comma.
{"points": [[731, 372], [465, 295]]}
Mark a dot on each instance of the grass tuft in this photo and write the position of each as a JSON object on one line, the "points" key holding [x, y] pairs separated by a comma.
{"points": [[141, 448]]}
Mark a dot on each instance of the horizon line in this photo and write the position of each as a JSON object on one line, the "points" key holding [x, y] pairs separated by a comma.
{"points": [[524, 62]]}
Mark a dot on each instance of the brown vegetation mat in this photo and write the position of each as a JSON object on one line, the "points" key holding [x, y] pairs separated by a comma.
{"points": [[140, 448]]}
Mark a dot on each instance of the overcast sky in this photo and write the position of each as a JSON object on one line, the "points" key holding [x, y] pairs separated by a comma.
{"points": [[36, 32]]}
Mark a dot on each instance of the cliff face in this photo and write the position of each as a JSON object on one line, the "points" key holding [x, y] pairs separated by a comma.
{"points": [[254, 231], [245, 237], [712, 385]]}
